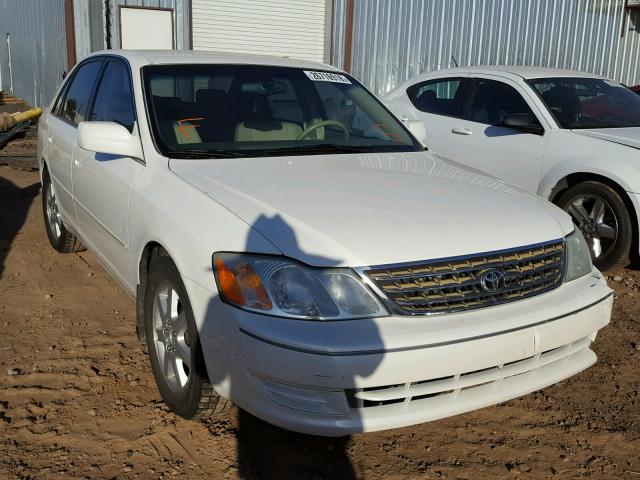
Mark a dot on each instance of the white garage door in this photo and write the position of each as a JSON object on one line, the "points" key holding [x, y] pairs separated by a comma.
{"points": [[293, 28]]}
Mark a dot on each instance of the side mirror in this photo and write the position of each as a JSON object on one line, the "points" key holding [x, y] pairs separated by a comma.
{"points": [[523, 123], [109, 137], [418, 129]]}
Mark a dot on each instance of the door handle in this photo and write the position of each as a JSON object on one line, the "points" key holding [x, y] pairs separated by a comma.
{"points": [[461, 131], [76, 162], [50, 139]]}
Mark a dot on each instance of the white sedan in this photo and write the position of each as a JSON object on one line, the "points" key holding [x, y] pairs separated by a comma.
{"points": [[292, 248], [570, 137]]}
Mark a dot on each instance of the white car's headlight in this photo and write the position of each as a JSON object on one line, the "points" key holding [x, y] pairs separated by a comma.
{"points": [[283, 287], [578, 256]]}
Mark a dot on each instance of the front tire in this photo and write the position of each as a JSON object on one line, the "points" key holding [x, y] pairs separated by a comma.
{"points": [[174, 347], [59, 237], [603, 218]]}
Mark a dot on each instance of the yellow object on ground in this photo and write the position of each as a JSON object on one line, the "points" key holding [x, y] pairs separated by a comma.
{"points": [[28, 115], [8, 121]]}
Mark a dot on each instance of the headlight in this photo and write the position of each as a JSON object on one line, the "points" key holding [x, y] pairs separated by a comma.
{"points": [[285, 288], [578, 256]]}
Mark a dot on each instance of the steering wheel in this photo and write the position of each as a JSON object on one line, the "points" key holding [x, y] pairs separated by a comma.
{"points": [[325, 123]]}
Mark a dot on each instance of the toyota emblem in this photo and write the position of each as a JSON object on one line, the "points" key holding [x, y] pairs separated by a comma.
{"points": [[492, 280]]}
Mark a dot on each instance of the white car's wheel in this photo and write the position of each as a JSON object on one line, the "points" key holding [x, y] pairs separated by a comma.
{"points": [[173, 344], [60, 238], [603, 218]]}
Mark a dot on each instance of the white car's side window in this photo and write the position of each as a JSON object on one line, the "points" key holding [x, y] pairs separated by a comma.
{"points": [[114, 100], [75, 105], [492, 101], [442, 96]]}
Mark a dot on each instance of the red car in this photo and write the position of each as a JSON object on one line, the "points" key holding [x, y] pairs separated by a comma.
{"points": [[636, 89]]}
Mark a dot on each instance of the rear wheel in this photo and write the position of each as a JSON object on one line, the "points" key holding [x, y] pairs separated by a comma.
{"points": [[60, 238], [174, 347], [602, 217]]}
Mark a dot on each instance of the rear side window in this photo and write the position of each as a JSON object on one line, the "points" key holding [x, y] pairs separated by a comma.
{"points": [[114, 100], [491, 101], [442, 96], [75, 106]]}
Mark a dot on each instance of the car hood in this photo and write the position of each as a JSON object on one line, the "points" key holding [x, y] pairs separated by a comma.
{"points": [[373, 209], [624, 136]]}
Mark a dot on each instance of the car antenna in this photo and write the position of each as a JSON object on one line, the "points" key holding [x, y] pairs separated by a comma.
{"points": [[454, 61]]}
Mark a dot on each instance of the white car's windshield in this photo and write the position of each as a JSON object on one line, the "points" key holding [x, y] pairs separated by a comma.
{"points": [[249, 110], [589, 102]]}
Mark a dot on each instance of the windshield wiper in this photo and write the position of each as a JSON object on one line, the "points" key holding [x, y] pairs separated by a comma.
{"points": [[206, 153], [317, 148]]}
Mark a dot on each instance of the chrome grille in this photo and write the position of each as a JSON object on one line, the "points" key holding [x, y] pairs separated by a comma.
{"points": [[467, 283]]}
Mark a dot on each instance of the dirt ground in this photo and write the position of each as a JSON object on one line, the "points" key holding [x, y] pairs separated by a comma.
{"points": [[77, 398]]}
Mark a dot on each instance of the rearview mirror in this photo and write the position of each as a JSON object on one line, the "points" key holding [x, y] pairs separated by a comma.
{"points": [[418, 129], [108, 137], [523, 123]]}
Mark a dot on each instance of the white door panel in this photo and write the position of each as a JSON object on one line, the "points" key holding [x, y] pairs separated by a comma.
{"points": [[61, 139], [504, 152], [102, 182], [102, 187]]}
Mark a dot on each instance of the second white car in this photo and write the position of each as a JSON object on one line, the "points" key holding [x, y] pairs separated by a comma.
{"points": [[571, 137]]}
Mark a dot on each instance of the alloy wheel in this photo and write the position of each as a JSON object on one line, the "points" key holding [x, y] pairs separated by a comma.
{"points": [[597, 221], [172, 338], [53, 214]]}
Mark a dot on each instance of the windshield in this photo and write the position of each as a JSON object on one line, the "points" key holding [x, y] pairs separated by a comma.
{"points": [[204, 111], [589, 102]]}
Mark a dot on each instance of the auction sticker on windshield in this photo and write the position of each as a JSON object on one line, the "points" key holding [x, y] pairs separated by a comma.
{"points": [[327, 77]]}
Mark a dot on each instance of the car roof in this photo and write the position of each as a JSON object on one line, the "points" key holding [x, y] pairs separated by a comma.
{"points": [[163, 57], [522, 71]]}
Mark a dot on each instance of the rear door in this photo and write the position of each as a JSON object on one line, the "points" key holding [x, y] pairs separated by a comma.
{"points": [[480, 140], [102, 182], [70, 109], [436, 102]]}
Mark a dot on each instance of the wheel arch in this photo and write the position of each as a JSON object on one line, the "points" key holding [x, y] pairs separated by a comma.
{"points": [[576, 178], [150, 251]]}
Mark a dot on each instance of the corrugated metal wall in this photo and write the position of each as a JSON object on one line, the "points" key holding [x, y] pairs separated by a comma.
{"points": [[394, 40], [38, 48]]}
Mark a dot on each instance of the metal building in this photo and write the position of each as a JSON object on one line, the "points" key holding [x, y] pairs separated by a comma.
{"points": [[392, 40], [381, 42]]}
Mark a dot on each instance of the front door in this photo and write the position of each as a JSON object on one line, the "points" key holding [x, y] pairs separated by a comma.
{"points": [[480, 140], [102, 182], [70, 109]]}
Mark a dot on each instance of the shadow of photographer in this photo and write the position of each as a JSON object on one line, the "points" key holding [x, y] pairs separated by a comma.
{"points": [[267, 451]]}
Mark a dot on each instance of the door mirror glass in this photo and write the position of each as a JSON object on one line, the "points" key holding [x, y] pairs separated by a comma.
{"points": [[523, 123], [418, 130], [110, 138]]}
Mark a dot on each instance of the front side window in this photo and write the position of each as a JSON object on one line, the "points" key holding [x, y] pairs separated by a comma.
{"points": [[442, 96], [589, 102], [76, 102], [114, 101], [492, 101], [250, 110]]}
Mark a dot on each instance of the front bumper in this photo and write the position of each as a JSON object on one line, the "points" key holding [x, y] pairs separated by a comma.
{"points": [[338, 378]]}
